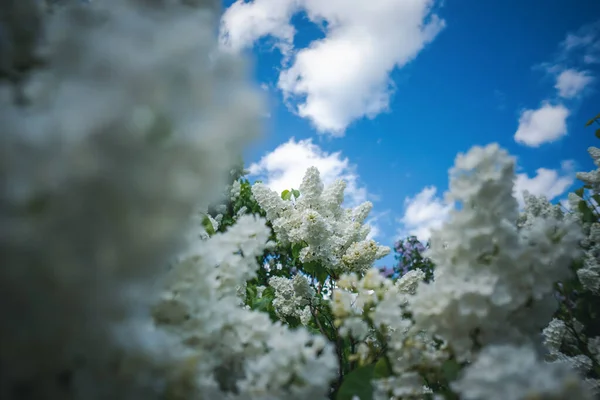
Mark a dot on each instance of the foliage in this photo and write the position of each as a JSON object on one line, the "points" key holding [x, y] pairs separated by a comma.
{"points": [[596, 119], [579, 297]]}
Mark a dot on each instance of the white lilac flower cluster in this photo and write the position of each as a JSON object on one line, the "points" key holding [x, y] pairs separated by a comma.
{"points": [[493, 281], [567, 339], [592, 178], [375, 303], [516, 372], [491, 295], [559, 335], [538, 207], [123, 135], [589, 275], [353, 300], [409, 349], [236, 190], [292, 297], [332, 235], [237, 353]]}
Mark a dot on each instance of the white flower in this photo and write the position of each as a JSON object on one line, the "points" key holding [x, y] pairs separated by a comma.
{"points": [[493, 281], [536, 207], [292, 297], [332, 235], [123, 136], [236, 189], [554, 334], [511, 372], [241, 353], [408, 282], [592, 178], [589, 275]]}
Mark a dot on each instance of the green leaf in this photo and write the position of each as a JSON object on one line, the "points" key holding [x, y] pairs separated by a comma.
{"points": [[591, 121], [357, 383], [310, 267], [286, 195], [264, 303], [296, 193], [250, 295], [296, 247], [598, 133], [37, 205], [160, 131], [293, 322], [579, 192], [316, 270], [208, 226], [381, 369], [596, 197], [313, 330], [587, 213], [450, 368]]}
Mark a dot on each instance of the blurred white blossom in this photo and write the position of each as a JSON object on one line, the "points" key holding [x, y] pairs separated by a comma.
{"points": [[493, 281], [513, 372]]}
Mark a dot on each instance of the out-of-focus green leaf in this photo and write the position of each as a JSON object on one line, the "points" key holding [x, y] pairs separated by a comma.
{"points": [[250, 295], [586, 212], [37, 205], [296, 247], [316, 270], [591, 121], [292, 322], [296, 193], [208, 226], [579, 192], [357, 383], [313, 330], [381, 369], [265, 302], [598, 133], [450, 369], [160, 130], [286, 195]]}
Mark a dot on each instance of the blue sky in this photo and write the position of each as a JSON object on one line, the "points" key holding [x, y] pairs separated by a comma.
{"points": [[385, 93]]}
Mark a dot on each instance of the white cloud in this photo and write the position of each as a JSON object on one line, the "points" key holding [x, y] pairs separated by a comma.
{"points": [[284, 168], [585, 43], [548, 182], [571, 82], [375, 221], [243, 23], [345, 75], [573, 41], [546, 124], [422, 213]]}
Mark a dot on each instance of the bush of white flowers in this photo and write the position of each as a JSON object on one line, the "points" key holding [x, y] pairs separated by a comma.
{"points": [[140, 263]]}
